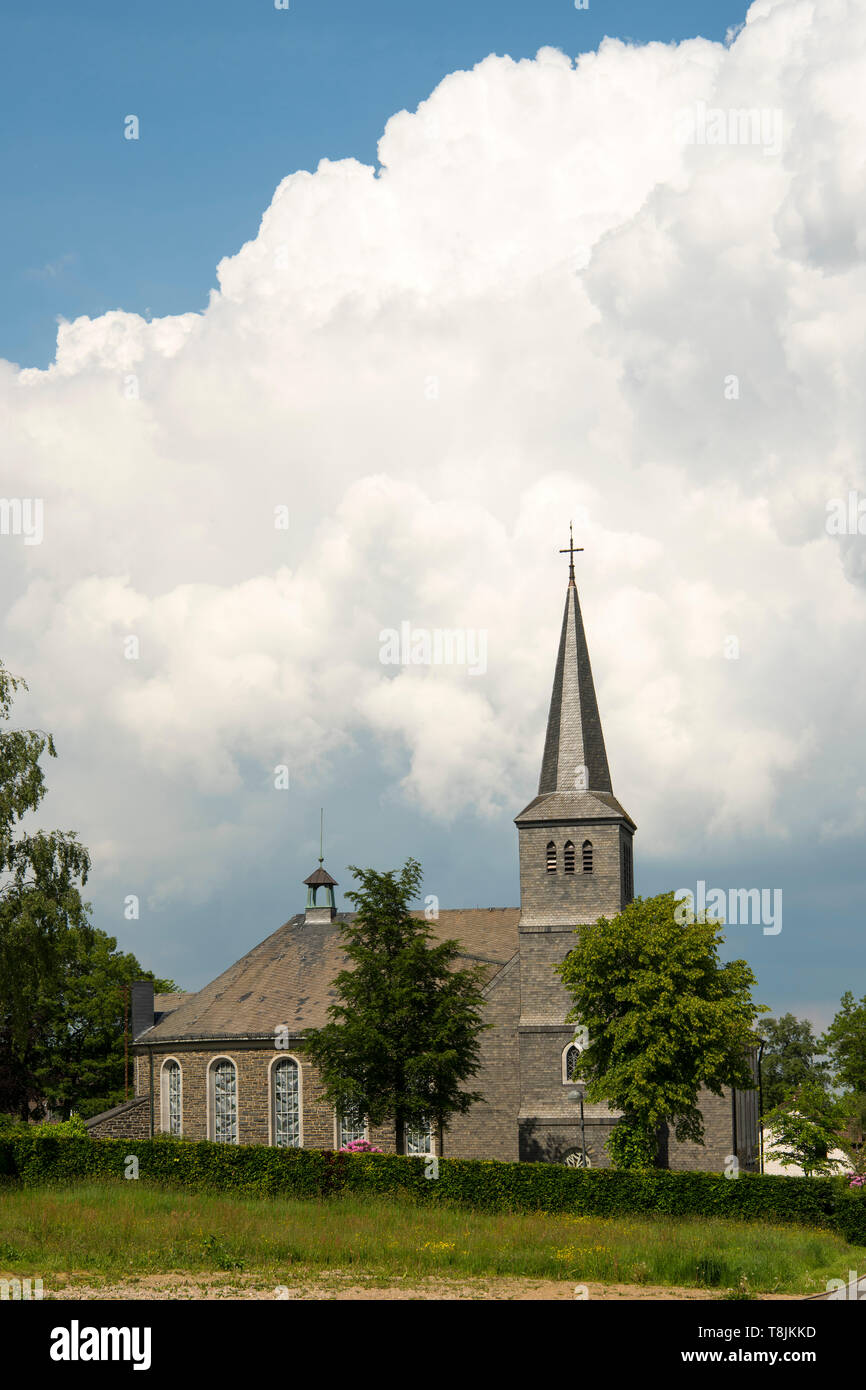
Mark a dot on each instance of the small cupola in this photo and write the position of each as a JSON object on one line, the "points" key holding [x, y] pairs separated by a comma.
{"points": [[325, 911], [320, 879]]}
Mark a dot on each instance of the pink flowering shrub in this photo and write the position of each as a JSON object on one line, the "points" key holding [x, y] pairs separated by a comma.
{"points": [[359, 1146], [857, 1182]]}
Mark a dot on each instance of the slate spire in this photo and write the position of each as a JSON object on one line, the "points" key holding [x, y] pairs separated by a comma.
{"points": [[574, 752]]}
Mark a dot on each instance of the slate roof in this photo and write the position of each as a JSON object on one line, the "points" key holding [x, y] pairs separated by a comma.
{"points": [[574, 735], [288, 978], [167, 1003], [574, 806], [320, 876]]}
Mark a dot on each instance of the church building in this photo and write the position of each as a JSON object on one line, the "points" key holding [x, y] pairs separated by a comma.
{"points": [[227, 1063]]}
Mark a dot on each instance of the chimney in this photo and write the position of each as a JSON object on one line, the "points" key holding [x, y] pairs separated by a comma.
{"points": [[141, 1004]]}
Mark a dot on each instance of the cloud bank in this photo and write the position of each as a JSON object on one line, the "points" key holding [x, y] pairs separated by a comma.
{"points": [[570, 288]]}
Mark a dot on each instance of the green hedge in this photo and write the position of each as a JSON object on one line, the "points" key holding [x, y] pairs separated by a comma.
{"points": [[482, 1185]]}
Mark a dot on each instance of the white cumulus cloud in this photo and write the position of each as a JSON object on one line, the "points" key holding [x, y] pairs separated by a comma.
{"points": [[542, 303]]}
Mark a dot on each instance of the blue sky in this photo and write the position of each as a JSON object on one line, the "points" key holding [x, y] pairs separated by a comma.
{"points": [[231, 97], [563, 393]]}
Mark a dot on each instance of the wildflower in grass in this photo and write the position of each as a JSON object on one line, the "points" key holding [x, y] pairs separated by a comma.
{"points": [[438, 1245]]}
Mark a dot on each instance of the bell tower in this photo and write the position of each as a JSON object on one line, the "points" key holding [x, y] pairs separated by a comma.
{"points": [[576, 865]]}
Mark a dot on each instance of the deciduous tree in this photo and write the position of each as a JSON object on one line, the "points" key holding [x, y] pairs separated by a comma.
{"points": [[664, 1017], [403, 1034]]}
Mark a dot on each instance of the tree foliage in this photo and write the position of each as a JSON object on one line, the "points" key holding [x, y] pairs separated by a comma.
{"points": [[852, 1139], [41, 873], [845, 1042], [795, 1069], [805, 1127], [72, 1057], [791, 1056], [61, 980], [403, 1034], [664, 1017]]}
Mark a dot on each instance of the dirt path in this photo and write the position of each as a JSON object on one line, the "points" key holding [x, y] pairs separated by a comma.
{"points": [[336, 1286]]}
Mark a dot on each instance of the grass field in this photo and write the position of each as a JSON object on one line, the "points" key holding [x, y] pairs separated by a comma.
{"points": [[102, 1232]]}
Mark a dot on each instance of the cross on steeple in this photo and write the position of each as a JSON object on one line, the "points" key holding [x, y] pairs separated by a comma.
{"points": [[571, 552]]}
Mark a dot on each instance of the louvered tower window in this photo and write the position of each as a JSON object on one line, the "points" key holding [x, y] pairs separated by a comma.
{"points": [[628, 871], [551, 858], [568, 857], [587, 856], [285, 1082]]}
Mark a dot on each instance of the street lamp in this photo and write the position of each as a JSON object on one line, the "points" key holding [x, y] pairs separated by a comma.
{"points": [[578, 1095], [762, 1042]]}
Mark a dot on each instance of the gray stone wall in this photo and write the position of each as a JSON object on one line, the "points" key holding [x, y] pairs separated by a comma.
{"points": [[719, 1144], [561, 899], [128, 1121], [489, 1129], [253, 1062], [541, 1125], [552, 904], [543, 996]]}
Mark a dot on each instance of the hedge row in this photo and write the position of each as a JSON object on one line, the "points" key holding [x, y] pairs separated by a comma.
{"points": [[482, 1185]]}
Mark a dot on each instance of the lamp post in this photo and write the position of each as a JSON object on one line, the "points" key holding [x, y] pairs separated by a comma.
{"points": [[762, 1042], [578, 1095]]}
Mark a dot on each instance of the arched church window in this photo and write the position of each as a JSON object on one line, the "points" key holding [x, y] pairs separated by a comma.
{"points": [[224, 1101], [171, 1098], [568, 857], [627, 871], [587, 856], [551, 858], [571, 1063], [286, 1102]]}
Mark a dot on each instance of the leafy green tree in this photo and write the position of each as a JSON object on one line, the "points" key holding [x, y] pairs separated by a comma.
{"points": [[805, 1127], [845, 1041], [853, 1137], [403, 1034], [77, 1053], [790, 1057], [73, 1128], [664, 1017], [40, 873], [61, 981]]}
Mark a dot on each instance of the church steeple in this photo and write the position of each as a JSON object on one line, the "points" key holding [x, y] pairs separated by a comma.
{"points": [[574, 754], [575, 837]]}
